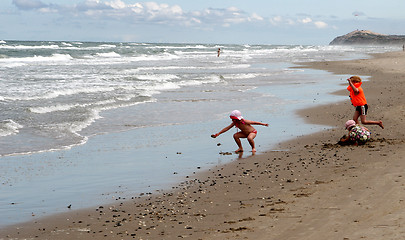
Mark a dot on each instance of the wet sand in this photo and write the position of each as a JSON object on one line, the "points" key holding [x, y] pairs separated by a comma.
{"points": [[310, 189]]}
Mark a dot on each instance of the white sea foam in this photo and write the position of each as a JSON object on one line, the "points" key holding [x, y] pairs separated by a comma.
{"points": [[94, 115], [161, 57], [233, 66], [108, 46], [125, 97], [12, 65], [206, 80], [157, 77], [67, 107], [56, 93], [150, 90], [55, 108], [105, 102], [26, 47], [165, 86], [54, 57], [88, 57], [109, 55], [160, 68], [241, 76], [93, 48], [181, 47], [67, 44], [125, 104], [68, 92], [78, 126], [212, 79], [9, 127]]}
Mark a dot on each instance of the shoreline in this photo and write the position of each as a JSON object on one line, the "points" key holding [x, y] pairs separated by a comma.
{"points": [[274, 195]]}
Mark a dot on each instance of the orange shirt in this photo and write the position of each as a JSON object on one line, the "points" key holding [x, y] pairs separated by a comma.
{"points": [[359, 99]]}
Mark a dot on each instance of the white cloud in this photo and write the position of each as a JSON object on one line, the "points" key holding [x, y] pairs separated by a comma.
{"points": [[320, 24], [306, 20], [256, 17], [317, 24], [276, 20], [117, 4], [47, 10], [281, 21], [290, 22], [29, 4], [233, 9], [156, 13]]}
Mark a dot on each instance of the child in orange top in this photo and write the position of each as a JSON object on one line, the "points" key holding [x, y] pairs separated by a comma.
{"points": [[359, 102], [246, 130]]}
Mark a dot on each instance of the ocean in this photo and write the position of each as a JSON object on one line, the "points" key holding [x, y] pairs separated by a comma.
{"points": [[80, 120]]}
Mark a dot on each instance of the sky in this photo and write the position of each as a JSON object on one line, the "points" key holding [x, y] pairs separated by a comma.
{"points": [[303, 22]]}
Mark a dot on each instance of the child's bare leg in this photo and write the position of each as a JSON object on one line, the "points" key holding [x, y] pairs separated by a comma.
{"points": [[251, 141], [356, 117], [237, 137], [367, 122]]}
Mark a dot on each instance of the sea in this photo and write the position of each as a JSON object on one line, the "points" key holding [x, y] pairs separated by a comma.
{"points": [[86, 123]]}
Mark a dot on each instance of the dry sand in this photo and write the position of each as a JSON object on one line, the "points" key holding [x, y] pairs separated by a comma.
{"points": [[314, 189]]}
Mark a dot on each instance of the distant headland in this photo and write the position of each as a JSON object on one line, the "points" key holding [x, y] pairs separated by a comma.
{"points": [[365, 37]]}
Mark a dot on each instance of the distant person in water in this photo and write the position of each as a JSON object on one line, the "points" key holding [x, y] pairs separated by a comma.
{"points": [[219, 51], [359, 101], [246, 130]]}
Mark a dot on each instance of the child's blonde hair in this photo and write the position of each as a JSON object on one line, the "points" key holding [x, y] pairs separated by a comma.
{"points": [[355, 78]]}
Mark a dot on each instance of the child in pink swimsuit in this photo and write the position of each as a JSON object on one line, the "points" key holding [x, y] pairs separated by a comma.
{"points": [[246, 130]]}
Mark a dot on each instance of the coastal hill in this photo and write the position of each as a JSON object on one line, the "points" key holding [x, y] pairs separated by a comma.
{"points": [[365, 37]]}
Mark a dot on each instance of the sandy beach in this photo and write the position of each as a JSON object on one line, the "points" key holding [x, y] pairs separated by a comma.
{"points": [[310, 188]]}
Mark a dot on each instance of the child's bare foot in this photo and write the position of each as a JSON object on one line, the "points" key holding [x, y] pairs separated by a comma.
{"points": [[381, 125], [253, 149], [239, 150]]}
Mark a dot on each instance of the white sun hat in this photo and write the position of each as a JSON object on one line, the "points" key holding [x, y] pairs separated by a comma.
{"points": [[236, 114]]}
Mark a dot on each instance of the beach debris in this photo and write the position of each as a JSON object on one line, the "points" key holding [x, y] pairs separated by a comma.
{"points": [[70, 205], [235, 229], [178, 153], [274, 210], [225, 153], [219, 144]]}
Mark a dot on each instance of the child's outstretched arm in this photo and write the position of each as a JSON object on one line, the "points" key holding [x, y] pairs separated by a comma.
{"points": [[256, 123], [223, 130]]}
